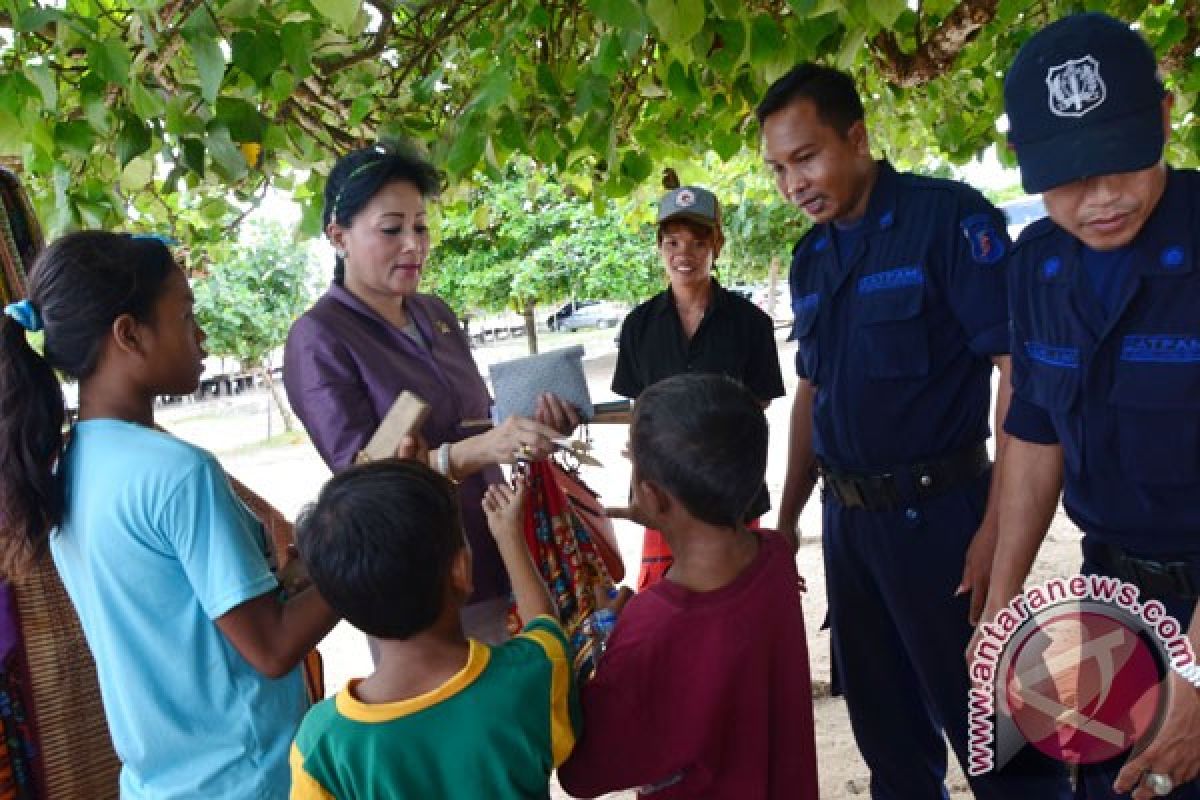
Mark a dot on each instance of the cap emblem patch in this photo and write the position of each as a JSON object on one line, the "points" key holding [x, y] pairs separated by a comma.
{"points": [[1075, 87], [685, 198]]}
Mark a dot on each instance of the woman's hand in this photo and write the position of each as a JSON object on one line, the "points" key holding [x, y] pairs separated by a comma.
{"points": [[517, 437], [556, 413]]}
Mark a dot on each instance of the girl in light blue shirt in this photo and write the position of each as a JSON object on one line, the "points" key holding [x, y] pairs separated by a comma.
{"points": [[196, 651]]}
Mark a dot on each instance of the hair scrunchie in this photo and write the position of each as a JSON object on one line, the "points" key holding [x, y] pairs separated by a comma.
{"points": [[25, 314]]}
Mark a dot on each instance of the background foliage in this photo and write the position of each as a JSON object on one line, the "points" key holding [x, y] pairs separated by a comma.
{"points": [[179, 113]]}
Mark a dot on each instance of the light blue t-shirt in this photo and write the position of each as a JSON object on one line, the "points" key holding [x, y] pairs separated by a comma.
{"points": [[154, 546]]}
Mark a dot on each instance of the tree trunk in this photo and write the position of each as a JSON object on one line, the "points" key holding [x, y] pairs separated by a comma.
{"points": [[530, 326], [289, 424], [772, 282]]}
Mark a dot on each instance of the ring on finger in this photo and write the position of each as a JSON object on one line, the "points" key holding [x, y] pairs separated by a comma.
{"points": [[1160, 783]]}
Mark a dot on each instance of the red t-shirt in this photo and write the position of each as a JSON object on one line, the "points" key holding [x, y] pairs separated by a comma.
{"points": [[704, 694]]}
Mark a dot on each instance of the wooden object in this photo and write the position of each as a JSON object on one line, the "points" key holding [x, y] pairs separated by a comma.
{"points": [[405, 417]]}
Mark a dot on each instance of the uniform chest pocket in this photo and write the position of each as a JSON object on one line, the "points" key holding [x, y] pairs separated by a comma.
{"points": [[891, 337], [804, 331], [1157, 407]]}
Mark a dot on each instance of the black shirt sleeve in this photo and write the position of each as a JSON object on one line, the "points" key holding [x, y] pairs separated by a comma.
{"points": [[627, 380], [763, 376]]}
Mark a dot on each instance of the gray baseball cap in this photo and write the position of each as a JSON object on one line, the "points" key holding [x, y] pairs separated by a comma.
{"points": [[690, 203]]}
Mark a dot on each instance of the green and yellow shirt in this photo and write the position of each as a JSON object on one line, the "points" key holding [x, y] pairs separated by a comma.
{"points": [[497, 729]]}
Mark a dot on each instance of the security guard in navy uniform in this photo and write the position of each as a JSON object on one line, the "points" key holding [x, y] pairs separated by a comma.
{"points": [[1105, 298], [901, 316]]}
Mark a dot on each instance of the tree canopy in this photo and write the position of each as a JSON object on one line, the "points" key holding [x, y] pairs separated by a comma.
{"points": [[179, 114]]}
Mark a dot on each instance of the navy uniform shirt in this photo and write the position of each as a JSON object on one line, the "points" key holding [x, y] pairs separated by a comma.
{"points": [[1120, 392], [899, 340], [734, 338]]}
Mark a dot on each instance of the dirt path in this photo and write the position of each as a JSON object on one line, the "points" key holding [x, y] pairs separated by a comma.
{"points": [[289, 475]]}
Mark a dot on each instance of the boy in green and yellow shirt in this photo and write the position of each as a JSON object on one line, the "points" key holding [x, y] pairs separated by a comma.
{"points": [[441, 716]]}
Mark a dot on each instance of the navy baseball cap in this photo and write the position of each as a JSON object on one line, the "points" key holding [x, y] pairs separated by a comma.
{"points": [[1083, 98], [691, 203]]}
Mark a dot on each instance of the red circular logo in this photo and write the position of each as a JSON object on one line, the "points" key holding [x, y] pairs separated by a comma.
{"points": [[1083, 686]]}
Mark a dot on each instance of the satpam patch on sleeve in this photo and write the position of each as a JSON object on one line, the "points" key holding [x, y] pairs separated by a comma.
{"points": [[987, 244]]}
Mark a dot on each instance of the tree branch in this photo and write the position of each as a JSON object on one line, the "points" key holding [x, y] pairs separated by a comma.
{"points": [[935, 53]]}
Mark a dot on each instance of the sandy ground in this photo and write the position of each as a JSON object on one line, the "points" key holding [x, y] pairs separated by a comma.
{"points": [[289, 473]]}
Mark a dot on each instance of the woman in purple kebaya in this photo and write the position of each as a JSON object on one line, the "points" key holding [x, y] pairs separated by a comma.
{"points": [[373, 335]]}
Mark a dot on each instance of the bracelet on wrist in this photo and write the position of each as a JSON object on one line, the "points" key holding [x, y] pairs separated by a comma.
{"points": [[443, 462]]}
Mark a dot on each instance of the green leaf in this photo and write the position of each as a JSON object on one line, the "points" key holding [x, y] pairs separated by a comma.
{"points": [[495, 89], [210, 64], [609, 57], [296, 43], [677, 20], [637, 166], [109, 59], [342, 13], [625, 14], [43, 78], [180, 120], [467, 148], [886, 12], [75, 136], [257, 54], [91, 213], [137, 175], [683, 86], [729, 46], [148, 103], [802, 8], [34, 19], [241, 118], [727, 143], [227, 158], [766, 40], [133, 138], [730, 9], [191, 152], [360, 108], [282, 86]]}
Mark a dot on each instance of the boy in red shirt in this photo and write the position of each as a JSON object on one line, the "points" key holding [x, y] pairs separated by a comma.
{"points": [[703, 690]]}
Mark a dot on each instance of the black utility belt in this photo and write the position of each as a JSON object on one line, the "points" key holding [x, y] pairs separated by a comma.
{"points": [[1161, 576], [888, 491]]}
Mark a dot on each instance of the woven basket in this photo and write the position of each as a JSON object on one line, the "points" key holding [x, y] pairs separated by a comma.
{"points": [[77, 756]]}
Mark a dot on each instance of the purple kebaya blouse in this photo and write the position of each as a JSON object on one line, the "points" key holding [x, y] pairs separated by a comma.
{"points": [[344, 366]]}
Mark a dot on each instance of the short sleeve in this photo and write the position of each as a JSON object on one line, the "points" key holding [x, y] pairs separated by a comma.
{"points": [[976, 275], [327, 394], [1029, 422], [564, 710], [218, 542], [304, 785], [763, 377], [627, 381]]}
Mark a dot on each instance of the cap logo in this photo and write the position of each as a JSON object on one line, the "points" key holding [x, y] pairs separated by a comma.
{"points": [[685, 198], [1075, 87]]}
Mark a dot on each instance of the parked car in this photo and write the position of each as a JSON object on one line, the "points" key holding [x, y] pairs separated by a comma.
{"points": [[593, 315], [1021, 212], [567, 310]]}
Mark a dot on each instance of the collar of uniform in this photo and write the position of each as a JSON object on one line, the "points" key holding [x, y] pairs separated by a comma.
{"points": [[412, 305], [881, 206], [1165, 244], [665, 301]]}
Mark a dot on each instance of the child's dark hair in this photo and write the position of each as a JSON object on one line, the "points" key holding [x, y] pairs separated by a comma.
{"points": [[359, 175], [78, 286], [379, 543], [703, 438], [831, 91]]}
